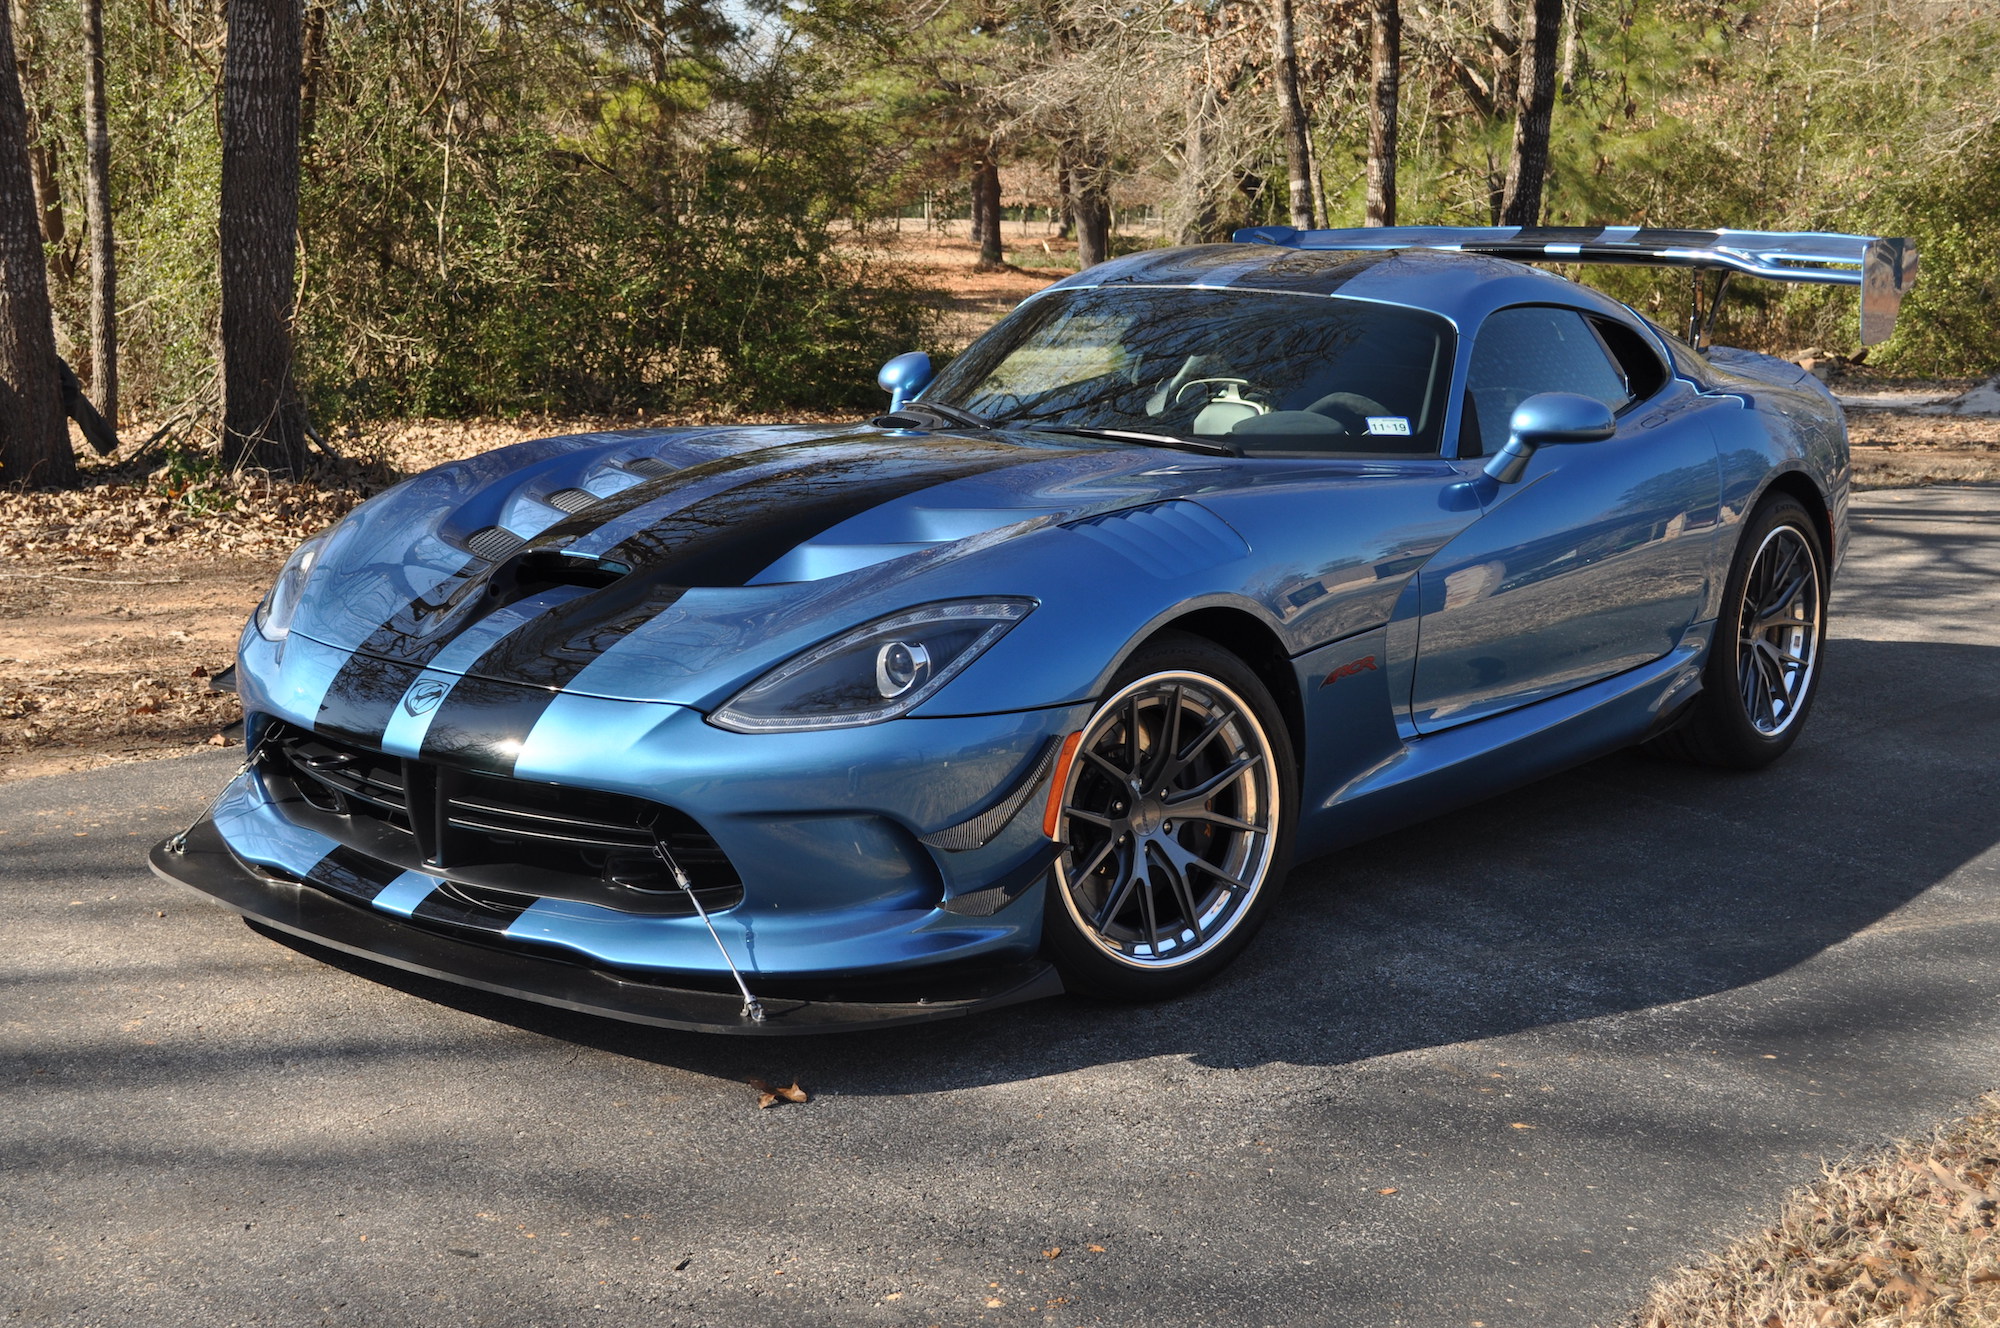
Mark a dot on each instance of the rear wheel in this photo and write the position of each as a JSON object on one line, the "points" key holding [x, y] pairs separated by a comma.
{"points": [[1763, 666], [1175, 824]]}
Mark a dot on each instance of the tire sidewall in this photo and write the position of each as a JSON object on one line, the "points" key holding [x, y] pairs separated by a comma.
{"points": [[1087, 969]]}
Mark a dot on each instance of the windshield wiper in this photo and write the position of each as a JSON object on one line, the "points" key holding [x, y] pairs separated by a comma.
{"points": [[1202, 445], [913, 412]]}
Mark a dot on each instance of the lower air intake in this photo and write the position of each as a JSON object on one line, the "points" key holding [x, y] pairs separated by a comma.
{"points": [[489, 832]]}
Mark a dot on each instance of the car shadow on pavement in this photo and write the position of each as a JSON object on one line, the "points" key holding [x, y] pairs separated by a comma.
{"points": [[1626, 884]]}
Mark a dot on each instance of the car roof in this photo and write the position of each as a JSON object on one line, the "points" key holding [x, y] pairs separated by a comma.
{"points": [[1462, 287]]}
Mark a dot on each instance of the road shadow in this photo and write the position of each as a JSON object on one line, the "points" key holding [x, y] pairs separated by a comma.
{"points": [[1626, 884]]}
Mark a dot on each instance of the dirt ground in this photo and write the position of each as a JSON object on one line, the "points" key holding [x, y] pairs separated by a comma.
{"points": [[120, 601]]}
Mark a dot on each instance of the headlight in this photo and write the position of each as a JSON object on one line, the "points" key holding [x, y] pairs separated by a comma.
{"points": [[873, 673], [274, 615]]}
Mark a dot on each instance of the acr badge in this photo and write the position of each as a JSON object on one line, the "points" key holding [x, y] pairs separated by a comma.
{"points": [[425, 696]]}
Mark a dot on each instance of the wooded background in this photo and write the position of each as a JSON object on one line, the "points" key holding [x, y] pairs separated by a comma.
{"points": [[610, 205]]}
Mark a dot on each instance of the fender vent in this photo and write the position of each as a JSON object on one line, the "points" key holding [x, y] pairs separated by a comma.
{"points": [[572, 500], [493, 543], [1170, 540]]}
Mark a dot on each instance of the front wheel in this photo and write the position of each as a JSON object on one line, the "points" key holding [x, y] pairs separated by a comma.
{"points": [[1763, 666], [1175, 824]]}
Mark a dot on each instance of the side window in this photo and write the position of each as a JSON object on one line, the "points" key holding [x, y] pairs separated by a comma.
{"points": [[1645, 373], [1534, 348]]}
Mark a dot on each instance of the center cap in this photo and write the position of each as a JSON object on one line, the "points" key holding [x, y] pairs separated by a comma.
{"points": [[1147, 816]]}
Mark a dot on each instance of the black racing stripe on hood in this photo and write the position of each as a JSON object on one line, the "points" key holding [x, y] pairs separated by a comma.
{"points": [[363, 694], [722, 541], [483, 720], [427, 625]]}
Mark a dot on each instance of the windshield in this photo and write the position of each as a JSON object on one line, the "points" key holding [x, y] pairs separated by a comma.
{"points": [[1267, 374]]}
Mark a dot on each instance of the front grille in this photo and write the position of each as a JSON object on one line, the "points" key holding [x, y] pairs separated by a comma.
{"points": [[489, 832]]}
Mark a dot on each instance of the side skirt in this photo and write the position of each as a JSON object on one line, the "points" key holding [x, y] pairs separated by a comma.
{"points": [[1438, 773]]}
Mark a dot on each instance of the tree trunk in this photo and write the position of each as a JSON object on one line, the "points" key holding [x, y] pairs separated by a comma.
{"points": [[1090, 202], [263, 422], [313, 66], [1386, 23], [986, 208], [1566, 73], [1298, 150], [1195, 205], [34, 442], [1534, 102], [44, 153], [1066, 206], [97, 213]]}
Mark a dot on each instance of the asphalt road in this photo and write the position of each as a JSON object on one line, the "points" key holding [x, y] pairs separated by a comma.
{"points": [[1504, 1069]]}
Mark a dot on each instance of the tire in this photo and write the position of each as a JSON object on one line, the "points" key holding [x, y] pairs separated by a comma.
{"points": [[1174, 845], [1763, 666]]}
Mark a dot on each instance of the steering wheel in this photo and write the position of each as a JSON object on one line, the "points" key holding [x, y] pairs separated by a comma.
{"points": [[1181, 393], [1348, 409]]}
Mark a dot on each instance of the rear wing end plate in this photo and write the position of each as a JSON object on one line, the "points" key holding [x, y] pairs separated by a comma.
{"points": [[1884, 268]]}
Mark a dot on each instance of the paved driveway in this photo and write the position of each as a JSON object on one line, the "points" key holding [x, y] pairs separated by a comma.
{"points": [[1504, 1069]]}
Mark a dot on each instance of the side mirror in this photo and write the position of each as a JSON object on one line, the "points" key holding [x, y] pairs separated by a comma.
{"points": [[904, 377], [1549, 417]]}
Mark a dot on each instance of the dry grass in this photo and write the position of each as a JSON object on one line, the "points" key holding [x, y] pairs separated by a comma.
{"points": [[1901, 449], [1901, 1240]]}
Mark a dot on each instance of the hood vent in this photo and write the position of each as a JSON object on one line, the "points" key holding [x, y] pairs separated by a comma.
{"points": [[651, 467], [572, 500], [537, 570], [493, 543]]}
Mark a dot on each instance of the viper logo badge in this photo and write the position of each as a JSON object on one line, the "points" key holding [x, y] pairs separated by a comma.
{"points": [[1348, 670], [424, 697]]}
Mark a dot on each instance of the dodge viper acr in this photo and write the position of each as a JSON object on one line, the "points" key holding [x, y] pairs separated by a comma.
{"points": [[1201, 562]]}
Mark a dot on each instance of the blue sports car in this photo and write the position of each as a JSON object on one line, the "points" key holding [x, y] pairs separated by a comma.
{"points": [[1201, 562]]}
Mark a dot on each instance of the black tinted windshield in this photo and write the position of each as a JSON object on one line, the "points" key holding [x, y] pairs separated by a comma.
{"points": [[1269, 374]]}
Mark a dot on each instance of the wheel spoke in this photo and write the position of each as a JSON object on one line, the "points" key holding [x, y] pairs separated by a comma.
{"points": [[1114, 899], [1236, 884], [1091, 818], [1107, 767], [1201, 740], [1169, 740], [1770, 624], [1219, 781], [1192, 810], [1779, 602], [1097, 859], [1177, 881], [1147, 912], [1771, 652]]}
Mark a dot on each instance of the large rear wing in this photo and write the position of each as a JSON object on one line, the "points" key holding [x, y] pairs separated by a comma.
{"points": [[1884, 268]]}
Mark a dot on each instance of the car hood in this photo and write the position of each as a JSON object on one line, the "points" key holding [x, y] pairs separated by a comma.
{"points": [[647, 565]]}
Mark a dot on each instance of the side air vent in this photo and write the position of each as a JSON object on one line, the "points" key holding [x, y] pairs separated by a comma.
{"points": [[1170, 540], [493, 543], [572, 500], [651, 467]]}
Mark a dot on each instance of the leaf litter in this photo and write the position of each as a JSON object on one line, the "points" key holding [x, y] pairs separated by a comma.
{"points": [[1905, 1239]]}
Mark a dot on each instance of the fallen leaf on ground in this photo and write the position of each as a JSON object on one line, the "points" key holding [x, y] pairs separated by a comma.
{"points": [[1390, 1189], [1052, 1252], [768, 1096]]}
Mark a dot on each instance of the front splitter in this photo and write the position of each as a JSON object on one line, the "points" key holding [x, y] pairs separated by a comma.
{"points": [[206, 863]]}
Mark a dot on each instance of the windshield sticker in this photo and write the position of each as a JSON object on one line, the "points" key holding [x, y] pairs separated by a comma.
{"points": [[1388, 424]]}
